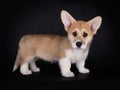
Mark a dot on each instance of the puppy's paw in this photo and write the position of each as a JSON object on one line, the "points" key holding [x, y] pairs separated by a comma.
{"points": [[84, 70], [36, 69], [26, 72], [68, 74]]}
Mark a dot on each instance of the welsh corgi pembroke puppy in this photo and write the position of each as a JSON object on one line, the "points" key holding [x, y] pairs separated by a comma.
{"points": [[67, 50]]}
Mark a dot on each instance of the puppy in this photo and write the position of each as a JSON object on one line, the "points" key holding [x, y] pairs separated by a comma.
{"points": [[73, 48]]}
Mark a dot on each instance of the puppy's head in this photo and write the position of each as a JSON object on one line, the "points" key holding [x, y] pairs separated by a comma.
{"points": [[80, 33]]}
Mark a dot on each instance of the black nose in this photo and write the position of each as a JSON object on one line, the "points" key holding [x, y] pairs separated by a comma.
{"points": [[78, 44]]}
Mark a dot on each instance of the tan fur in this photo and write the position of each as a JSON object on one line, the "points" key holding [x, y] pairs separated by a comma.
{"points": [[47, 47]]}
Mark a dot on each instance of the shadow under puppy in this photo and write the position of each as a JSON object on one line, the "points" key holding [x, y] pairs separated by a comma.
{"points": [[69, 49]]}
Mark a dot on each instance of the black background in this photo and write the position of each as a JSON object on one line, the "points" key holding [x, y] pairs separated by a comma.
{"points": [[19, 18]]}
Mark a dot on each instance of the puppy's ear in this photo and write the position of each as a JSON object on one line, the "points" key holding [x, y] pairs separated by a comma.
{"points": [[95, 24], [67, 19]]}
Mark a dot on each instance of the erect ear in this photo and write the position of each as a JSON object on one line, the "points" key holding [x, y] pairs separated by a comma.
{"points": [[95, 24], [67, 19]]}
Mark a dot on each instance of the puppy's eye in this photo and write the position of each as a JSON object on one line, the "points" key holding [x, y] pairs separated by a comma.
{"points": [[74, 33], [85, 34]]}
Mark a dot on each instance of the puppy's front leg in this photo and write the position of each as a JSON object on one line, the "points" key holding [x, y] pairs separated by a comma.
{"points": [[65, 66], [81, 67]]}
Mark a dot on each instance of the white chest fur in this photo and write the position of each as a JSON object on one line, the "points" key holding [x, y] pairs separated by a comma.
{"points": [[77, 55]]}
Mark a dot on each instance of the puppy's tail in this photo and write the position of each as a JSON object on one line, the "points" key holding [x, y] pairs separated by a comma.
{"points": [[17, 62]]}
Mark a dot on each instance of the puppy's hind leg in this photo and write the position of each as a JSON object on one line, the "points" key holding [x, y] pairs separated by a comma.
{"points": [[24, 67], [33, 66]]}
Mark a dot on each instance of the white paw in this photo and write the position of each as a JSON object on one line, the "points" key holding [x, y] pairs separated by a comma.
{"points": [[36, 70], [26, 72], [84, 70], [68, 74]]}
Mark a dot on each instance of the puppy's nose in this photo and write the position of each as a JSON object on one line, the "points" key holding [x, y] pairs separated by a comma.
{"points": [[78, 44]]}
